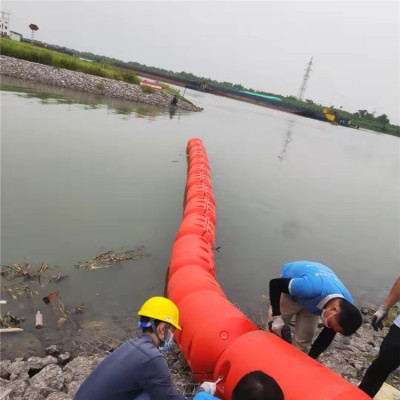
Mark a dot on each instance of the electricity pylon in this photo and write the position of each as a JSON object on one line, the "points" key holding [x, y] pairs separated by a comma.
{"points": [[303, 86]]}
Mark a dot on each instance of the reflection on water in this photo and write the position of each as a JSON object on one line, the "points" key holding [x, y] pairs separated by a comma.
{"points": [[48, 95], [287, 140]]}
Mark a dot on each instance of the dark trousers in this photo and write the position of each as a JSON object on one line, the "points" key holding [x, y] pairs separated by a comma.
{"points": [[386, 362]]}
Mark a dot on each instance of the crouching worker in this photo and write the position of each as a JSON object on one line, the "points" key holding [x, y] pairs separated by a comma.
{"points": [[310, 290], [137, 370], [255, 385]]}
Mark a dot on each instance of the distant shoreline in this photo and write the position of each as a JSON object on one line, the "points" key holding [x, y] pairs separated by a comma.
{"points": [[64, 78]]}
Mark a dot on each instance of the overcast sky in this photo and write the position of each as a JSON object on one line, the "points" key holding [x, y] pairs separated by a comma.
{"points": [[263, 45]]}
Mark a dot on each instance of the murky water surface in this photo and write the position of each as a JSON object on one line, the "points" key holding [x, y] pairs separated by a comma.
{"points": [[82, 175]]}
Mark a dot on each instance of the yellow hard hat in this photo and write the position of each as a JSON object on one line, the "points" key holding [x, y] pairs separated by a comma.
{"points": [[162, 309]]}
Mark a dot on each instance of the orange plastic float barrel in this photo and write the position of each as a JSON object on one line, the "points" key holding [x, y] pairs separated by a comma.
{"points": [[198, 224], [191, 250], [201, 206], [198, 152], [198, 178], [199, 169], [200, 190], [194, 142], [210, 323], [198, 160], [299, 376], [196, 278]]}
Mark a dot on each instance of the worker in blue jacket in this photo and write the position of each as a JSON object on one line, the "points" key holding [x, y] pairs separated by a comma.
{"points": [[137, 369], [310, 291]]}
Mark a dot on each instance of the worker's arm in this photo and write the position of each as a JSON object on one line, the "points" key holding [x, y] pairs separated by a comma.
{"points": [[394, 295], [157, 381], [322, 342], [276, 288], [392, 299]]}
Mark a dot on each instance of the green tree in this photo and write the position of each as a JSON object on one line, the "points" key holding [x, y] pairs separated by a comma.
{"points": [[383, 119]]}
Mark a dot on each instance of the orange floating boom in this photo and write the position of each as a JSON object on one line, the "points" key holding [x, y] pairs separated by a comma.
{"points": [[216, 338]]}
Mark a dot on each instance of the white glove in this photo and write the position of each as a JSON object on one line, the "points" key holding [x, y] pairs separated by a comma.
{"points": [[209, 387], [379, 316], [277, 325]]}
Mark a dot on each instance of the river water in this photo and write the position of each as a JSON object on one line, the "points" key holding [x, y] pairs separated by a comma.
{"points": [[82, 175]]}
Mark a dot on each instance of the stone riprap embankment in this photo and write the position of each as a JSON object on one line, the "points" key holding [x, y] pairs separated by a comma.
{"points": [[64, 78], [57, 377]]}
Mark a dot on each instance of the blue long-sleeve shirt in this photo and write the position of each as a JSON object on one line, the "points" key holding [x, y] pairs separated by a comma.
{"points": [[134, 368], [313, 284]]}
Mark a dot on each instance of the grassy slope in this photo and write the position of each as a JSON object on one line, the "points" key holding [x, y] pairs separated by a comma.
{"points": [[28, 52], [32, 53]]}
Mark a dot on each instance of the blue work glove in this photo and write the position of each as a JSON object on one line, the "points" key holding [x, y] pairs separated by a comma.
{"points": [[379, 316]]}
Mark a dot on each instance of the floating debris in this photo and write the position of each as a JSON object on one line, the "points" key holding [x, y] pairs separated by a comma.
{"points": [[57, 278], [60, 310], [61, 321], [10, 330], [111, 258], [18, 271], [79, 309], [39, 320], [16, 291], [48, 299], [29, 272], [10, 321], [42, 268]]}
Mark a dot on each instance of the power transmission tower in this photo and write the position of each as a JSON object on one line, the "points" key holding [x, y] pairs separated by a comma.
{"points": [[303, 86]]}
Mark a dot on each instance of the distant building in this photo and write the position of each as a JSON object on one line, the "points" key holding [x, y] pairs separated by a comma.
{"points": [[15, 36], [4, 23]]}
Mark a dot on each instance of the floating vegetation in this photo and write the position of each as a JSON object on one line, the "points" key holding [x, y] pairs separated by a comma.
{"points": [[18, 271], [10, 321], [31, 271], [27, 277], [24, 290], [111, 258]]}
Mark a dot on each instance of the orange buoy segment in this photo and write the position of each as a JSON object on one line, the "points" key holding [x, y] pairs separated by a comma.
{"points": [[198, 160], [218, 324], [299, 376], [201, 190], [196, 278], [195, 142], [191, 250], [198, 178], [197, 224], [198, 152], [201, 206]]}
